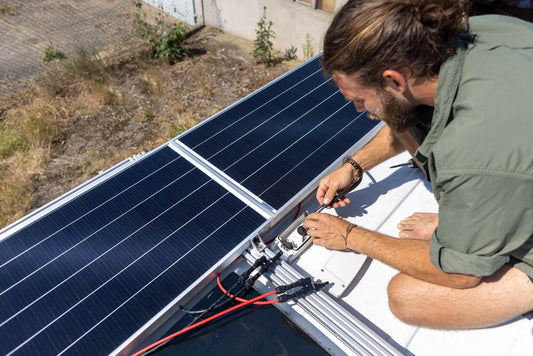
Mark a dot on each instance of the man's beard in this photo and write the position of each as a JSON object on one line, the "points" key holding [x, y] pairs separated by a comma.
{"points": [[398, 115]]}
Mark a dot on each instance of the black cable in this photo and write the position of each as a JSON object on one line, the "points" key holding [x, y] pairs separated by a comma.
{"points": [[259, 262], [248, 283], [243, 279]]}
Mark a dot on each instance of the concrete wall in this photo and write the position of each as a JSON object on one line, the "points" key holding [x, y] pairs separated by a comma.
{"points": [[293, 22]]}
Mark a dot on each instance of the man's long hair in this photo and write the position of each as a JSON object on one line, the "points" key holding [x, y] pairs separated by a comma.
{"points": [[369, 36]]}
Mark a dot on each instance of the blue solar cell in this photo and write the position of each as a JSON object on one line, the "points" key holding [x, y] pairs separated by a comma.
{"points": [[112, 262]]}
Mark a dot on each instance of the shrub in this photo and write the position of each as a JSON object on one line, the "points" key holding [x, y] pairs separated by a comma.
{"points": [[165, 43], [262, 44], [308, 49]]}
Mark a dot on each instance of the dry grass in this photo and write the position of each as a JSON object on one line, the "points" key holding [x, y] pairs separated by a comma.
{"points": [[8, 9], [86, 114], [27, 132]]}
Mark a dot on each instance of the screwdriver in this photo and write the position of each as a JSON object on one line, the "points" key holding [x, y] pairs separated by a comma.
{"points": [[303, 231], [411, 164]]}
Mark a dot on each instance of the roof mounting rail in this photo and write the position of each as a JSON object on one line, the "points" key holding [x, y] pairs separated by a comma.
{"points": [[346, 331]]}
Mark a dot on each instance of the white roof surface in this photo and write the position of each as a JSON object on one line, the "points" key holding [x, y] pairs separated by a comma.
{"points": [[385, 197]]}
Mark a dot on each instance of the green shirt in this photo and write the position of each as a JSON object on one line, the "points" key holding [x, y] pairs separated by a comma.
{"points": [[479, 151]]}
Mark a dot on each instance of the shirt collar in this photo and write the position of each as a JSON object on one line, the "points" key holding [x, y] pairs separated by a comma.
{"points": [[449, 77]]}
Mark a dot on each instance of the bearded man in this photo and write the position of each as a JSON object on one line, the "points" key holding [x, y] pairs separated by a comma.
{"points": [[457, 94]]}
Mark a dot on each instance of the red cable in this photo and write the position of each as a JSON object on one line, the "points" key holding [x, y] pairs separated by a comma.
{"points": [[261, 302], [244, 302], [200, 323], [297, 212]]}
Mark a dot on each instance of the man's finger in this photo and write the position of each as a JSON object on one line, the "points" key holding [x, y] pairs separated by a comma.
{"points": [[313, 216], [328, 198], [322, 191]]}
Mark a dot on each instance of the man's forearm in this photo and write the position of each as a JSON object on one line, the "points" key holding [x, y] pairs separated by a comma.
{"points": [[382, 147], [406, 255]]}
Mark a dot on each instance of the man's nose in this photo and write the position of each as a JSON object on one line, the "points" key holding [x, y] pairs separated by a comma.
{"points": [[359, 105]]}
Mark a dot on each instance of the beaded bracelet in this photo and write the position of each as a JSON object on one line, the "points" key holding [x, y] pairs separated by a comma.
{"points": [[354, 164]]}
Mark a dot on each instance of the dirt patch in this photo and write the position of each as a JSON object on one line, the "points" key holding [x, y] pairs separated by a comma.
{"points": [[110, 110]]}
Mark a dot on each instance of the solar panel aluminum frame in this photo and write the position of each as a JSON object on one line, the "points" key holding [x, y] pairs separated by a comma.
{"points": [[156, 325], [223, 179]]}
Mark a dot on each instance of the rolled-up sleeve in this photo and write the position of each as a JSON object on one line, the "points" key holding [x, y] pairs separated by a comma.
{"points": [[483, 220]]}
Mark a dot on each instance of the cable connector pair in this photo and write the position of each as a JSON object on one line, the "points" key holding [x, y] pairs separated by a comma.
{"points": [[302, 282], [301, 287], [265, 267], [259, 262]]}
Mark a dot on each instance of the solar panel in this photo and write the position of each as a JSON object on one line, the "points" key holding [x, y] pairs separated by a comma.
{"points": [[102, 265], [90, 272]]}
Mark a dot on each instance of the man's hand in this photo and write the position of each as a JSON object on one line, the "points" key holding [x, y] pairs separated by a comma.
{"points": [[328, 230], [334, 183]]}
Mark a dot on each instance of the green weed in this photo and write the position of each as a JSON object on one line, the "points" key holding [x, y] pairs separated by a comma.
{"points": [[51, 54], [308, 49]]}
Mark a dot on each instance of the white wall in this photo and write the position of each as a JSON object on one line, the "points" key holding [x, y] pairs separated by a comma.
{"points": [[292, 22]]}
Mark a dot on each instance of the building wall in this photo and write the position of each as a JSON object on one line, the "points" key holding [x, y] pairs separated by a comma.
{"points": [[296, 23], [293, 22]]}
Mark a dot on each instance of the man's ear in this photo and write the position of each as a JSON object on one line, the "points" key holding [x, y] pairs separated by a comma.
{"points": [[396, 79]]}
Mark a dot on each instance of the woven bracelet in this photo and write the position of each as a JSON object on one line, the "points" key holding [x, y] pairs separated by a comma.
{"points": [[348, 230]]}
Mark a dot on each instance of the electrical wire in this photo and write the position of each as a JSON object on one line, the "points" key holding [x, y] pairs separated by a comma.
{"points": [[242, 279], [215, 305], [264, 302], [247, 282], [297, 289], [205, 321]]}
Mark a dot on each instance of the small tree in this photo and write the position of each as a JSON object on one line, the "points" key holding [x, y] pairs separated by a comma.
{"points": [[262, 44]]}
